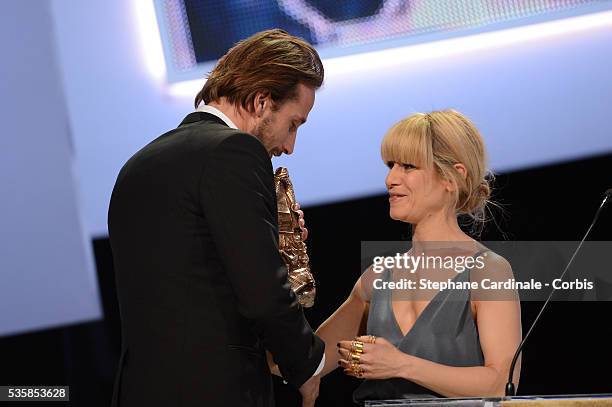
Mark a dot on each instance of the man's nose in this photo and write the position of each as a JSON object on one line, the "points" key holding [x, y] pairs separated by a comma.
{"points": [[289, 146]]}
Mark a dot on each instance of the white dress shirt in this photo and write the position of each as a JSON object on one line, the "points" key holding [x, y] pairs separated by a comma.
{"points": [[216, 112]]}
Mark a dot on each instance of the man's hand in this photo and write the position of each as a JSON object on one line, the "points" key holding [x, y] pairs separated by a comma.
{"points": [[310, 391], [302, 222]]}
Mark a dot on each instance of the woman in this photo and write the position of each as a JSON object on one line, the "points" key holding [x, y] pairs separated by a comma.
{"points": [[429, 343]]}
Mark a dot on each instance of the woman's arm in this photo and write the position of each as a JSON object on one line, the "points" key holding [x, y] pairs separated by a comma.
{"points": [[346, 323]]}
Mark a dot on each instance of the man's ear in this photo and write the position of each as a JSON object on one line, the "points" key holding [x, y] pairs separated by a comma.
{"points": [[261, 102]]}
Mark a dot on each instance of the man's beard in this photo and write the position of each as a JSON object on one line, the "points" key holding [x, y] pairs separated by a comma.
{"points": [[263, 134]]}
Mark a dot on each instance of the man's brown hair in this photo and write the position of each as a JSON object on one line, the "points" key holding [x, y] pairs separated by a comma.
{"points": [[270, 61]]}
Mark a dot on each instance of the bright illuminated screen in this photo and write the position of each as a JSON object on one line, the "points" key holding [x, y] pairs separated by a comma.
{"points": [[198, 32], [538, 92]]}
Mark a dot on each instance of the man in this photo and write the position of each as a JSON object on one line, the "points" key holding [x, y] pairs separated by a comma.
{"points": [[202, 288]]}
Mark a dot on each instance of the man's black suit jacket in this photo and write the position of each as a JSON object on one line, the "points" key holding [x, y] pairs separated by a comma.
{"points": [[202, 288]]}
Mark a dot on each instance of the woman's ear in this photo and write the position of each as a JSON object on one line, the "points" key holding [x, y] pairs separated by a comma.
{"points": [[450, 182], [460, 168]]}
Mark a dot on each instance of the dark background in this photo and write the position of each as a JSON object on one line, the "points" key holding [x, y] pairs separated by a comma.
{"points": [[569, 352]]}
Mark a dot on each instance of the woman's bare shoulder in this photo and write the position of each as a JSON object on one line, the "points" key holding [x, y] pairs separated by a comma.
{"points": [[364, 284]]}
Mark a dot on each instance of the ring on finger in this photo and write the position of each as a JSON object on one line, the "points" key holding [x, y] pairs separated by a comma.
{"points": [[357, 370], [357, 346]]}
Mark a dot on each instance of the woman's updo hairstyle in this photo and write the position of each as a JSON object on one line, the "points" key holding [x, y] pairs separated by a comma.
{"points": [[442, 139]]}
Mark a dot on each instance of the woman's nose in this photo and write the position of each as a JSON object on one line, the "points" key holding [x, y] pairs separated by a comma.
{"points": [[392, 177]]}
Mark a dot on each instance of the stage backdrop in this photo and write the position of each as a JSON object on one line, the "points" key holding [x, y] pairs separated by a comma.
{"points": [[46, 261], [538, 97]]}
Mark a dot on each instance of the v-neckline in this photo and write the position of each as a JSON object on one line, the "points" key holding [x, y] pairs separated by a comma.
{"points": [[397, 325], [390, 302]]}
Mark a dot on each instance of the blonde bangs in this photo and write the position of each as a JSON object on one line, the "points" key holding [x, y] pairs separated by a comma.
{"points": [[408, 142]]}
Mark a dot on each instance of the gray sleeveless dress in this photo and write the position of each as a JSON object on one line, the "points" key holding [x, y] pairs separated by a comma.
{"points": [[444, 333]]}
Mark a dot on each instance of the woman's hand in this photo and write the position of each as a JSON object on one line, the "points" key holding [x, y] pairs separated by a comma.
{"points": [[273, 366], [379, 360], [310, 391]]}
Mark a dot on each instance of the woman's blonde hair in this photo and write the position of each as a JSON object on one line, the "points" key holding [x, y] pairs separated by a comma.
{"points": [[440, 140]]}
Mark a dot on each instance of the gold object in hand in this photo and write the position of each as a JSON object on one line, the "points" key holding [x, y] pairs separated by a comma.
{"points": [[291, 245]]}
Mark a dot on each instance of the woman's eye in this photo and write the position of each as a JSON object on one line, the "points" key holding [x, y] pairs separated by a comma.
{"points": [[391, 164]]}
